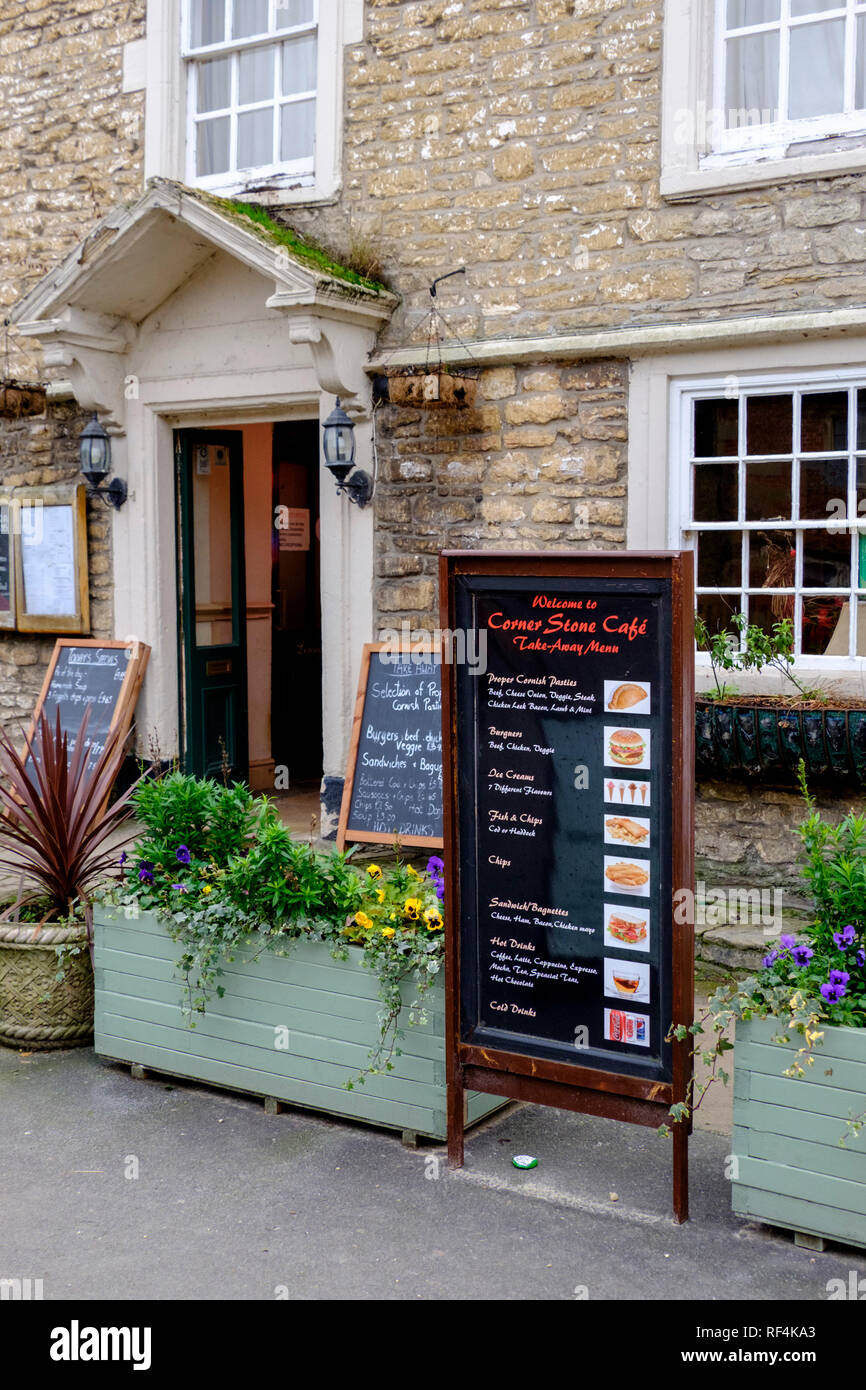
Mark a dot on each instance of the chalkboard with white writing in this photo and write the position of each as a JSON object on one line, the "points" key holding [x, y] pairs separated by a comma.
{"points": [[393, 784], [102, 677]]}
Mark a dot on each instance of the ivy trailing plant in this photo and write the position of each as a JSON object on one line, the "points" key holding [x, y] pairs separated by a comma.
{"points": [[805, 985], [223, 874]]}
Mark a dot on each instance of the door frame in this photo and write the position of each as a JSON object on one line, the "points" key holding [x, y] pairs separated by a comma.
{"points": [[190, 746]]}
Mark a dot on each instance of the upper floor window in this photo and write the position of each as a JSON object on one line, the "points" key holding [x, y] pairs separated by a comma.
{"points": [[251, 90], [788, 70]]}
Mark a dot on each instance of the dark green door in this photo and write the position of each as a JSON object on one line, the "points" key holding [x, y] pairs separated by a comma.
{"points": [[213, 638]]}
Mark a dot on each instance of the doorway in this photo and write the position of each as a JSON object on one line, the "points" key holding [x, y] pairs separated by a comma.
{"points": [[296, 652], [250, 610]]}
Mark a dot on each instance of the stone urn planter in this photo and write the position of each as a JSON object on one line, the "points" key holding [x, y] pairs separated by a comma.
{"points": [[768, 740], [789, 1168], [291, 1028], [38, 1011]]}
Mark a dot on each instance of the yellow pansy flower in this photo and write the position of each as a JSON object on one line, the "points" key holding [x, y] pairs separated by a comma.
{"points": [[433, 919], [363, 920], [380, 895], [207, 888], [374, 871], [413, 873], [388, 931], [413, 907]]}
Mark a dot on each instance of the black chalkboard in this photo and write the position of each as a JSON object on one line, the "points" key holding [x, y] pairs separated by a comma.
{"points": [[394, 777], [103, 677], [5, 564], [564, 775]]}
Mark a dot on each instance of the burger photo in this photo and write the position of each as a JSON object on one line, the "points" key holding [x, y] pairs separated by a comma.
{"points": [[627, 747]]}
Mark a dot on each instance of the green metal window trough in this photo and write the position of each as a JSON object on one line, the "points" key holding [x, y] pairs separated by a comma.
{"points": [[289, 1028], [790, 1168]]}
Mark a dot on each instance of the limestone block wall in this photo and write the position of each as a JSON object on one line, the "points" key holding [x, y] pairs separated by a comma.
{"points": [[71, 141], [521, 138], [538, 462], [39, 450]]}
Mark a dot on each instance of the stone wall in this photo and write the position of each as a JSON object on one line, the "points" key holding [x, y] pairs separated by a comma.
{"points": [[41, 450], [521, 138], [537, 462], [71, 141]]}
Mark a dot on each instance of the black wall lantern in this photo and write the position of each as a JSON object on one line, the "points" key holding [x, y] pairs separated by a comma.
{"points": [[339, 449], [94, 448]]}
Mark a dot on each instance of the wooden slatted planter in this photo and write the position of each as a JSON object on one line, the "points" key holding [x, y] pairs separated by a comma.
{"points": [[790, 1168], [329, 1007]]}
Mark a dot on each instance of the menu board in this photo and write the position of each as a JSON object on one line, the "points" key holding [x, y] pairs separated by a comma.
{"points": [[393, 783], [104, 677], [565, 828], [51, 559]]}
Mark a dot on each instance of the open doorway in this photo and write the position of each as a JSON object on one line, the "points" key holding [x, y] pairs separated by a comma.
{"points": [[296, 654], [250, 609]]}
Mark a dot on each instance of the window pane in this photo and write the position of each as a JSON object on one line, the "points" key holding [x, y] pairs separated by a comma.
{"points": [[826, 559], [860, 79], [716, 492], [820, 623], [255, 75], [717, 609], [742, 13], [752, 77], [824, 422], [298, 130], [803, 7], [769, 424], [207, 22], [861, 488], [718, 559], [299, 65], [249, 17], [716, 429], [214, 84], [212, 147], [816, 85], [772, 560], [861, 560], [823, 489], [861, 419], [291, 12], [861, 628], [256, 138], [768, 491], [765, 610]]}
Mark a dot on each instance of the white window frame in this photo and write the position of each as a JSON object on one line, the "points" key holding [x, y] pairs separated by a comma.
{"points": [[699, 156], [684, 536], [340, 23]]}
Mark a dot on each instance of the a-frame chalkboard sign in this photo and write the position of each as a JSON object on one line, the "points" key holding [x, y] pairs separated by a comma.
{"points": [[393, 786], [102, 676]]}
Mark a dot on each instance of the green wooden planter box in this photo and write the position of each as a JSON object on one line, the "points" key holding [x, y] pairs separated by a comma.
{"points": [[791, 1170], [329, 1007]]}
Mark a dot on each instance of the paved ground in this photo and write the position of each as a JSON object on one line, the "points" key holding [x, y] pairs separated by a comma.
{"points": [[232, 1203]]}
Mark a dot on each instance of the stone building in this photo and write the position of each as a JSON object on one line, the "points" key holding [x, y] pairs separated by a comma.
{"points": [[658, 210]]}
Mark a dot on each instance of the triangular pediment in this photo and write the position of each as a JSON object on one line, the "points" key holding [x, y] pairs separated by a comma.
{"points": [[138, 256]]}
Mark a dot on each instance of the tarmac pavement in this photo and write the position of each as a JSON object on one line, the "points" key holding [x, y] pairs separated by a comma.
{"points": [[157, 1189]]}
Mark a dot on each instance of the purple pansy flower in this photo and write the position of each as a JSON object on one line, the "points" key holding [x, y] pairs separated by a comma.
{"points": [[832, 992], [123, 858], [180, 887], [182, 854], [787, 942], [435, 865], [861, 957], [145, 873], [839, 977], [844, 938], [770, 959], [803, 954]]}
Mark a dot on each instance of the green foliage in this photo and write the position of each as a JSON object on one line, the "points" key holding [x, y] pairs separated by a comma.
{"points": [[746, 647], [224, 874], [835, 870]]}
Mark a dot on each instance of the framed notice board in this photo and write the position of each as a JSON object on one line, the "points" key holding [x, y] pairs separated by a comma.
{"points": [[393, 783], [50, 550], [568, 828], [103, 676], [7, 561]]}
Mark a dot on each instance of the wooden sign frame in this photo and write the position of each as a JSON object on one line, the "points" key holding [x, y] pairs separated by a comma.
{"points": [[370, 837], [7, 503], [538, 1079], [127, 699], [73, 495]]}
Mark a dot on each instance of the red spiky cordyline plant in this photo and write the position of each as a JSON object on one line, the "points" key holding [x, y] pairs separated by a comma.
{"points": [[54, 816]]}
